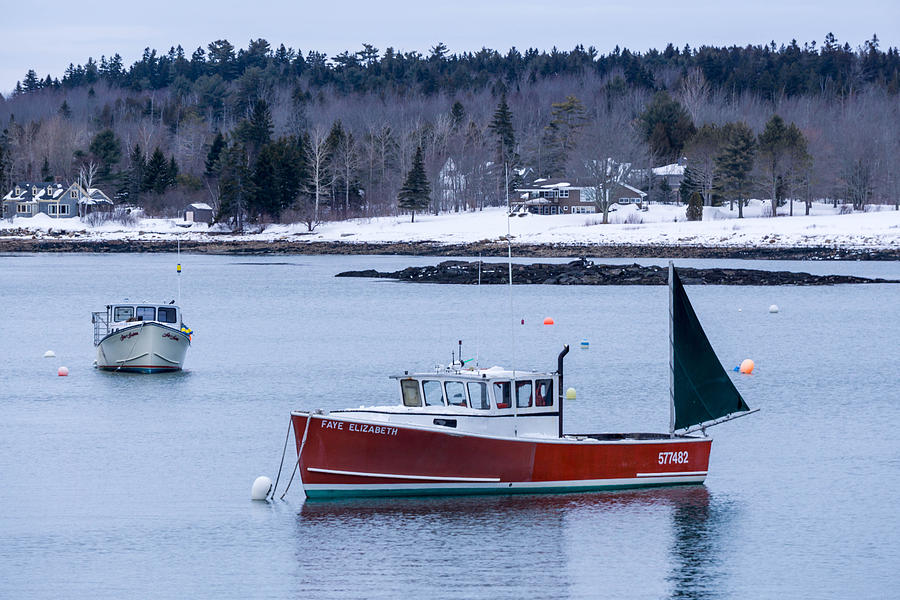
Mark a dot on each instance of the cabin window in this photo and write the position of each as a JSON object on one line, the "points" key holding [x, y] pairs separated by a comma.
{"points": [[23, 208], [523, 394], [146, 313], [543, 392], [123, 313], [456, 393], [58, 209], [410, 389], [502, 397], [478, 397], [434, 396], [73, 194], [166, 315], [563, 193]]}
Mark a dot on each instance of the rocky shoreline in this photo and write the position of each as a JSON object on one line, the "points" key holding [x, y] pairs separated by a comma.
{"points": [[586, 272], [221, 244]]}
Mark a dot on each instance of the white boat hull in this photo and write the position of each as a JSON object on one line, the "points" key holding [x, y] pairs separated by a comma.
{"points": [[143, 348]]}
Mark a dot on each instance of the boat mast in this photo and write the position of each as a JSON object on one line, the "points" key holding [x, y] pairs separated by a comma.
{"points": [[671, 349], [512, 328]]}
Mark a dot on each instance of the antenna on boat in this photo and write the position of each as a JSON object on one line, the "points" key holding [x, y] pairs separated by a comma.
{"points": [[671, 349], [478, 329]]}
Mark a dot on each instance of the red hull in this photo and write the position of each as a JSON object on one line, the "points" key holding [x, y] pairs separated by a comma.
{"points": [[351, 457]]}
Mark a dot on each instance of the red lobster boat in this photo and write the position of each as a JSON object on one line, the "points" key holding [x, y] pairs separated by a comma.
{"points": [[499, 431]]}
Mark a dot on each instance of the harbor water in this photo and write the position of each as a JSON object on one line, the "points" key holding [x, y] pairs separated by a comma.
{"points": [[138, 486]]}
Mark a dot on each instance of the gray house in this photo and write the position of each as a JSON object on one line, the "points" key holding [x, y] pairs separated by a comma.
{"points": [[27, 199]]}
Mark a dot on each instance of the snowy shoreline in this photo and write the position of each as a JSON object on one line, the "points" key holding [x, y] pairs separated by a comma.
{"points": [[822, 235]]}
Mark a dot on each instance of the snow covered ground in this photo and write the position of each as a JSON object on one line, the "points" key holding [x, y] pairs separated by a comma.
{"points": [[660, 225]]}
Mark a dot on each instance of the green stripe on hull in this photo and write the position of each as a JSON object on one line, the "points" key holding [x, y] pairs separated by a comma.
{"points": [[462, 491]]}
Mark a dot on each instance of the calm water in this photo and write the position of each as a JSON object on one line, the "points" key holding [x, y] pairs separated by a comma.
{"points": [[118, 486]]}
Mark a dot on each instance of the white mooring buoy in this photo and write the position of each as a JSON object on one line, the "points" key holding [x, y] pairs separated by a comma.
{"points": [[49, 354], [773, 308], [261, 487]]}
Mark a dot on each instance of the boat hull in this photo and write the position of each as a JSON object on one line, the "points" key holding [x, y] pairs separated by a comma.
{"points": [[143, 348], [340, 457]]}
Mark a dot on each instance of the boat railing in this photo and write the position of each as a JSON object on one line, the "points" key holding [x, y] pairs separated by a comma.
{"points": [[101, 325]]}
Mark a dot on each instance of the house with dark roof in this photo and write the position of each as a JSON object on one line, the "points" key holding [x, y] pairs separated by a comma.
{"points": [[567, 197], [27, 199]]}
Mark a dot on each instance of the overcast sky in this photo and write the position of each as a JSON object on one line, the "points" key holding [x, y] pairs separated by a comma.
{"points": [[47, 36]]}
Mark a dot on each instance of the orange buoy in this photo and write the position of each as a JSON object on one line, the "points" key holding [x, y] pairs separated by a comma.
{"points": [[548, 321], [747, 366]]}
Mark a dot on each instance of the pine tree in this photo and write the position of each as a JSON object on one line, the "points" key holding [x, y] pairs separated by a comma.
{"points": [[735, 162], [666, 126], [458, 114], [567, 120], [107, 148], [256, 130], [506, 157], [694, 210], [212, 157], [156, 173], [136, 174], [64, 111], [415, 193], [45, 170], [172, 173]]}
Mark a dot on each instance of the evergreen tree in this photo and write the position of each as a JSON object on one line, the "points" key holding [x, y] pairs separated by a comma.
{"points": [[567, 120], [236, 186], [694, 210], [458, 114], [31, 83], [172, 173], [156, 173], [666, 126], [212, 157], [64, 111], [415, 193], [46, 175], [783, 158], [505, 155], [107, 149], [735, 162], [255, 131], [136, 174]]}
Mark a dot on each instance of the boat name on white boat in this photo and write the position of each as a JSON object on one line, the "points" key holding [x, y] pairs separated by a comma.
{"points": [[130, 334]]}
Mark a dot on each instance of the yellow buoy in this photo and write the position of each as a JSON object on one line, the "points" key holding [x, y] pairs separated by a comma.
{"points": [[747, 366], [570, 394]]}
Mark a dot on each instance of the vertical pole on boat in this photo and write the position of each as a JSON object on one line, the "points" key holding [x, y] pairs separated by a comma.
{"points": [[512, 327], [561, 395], [178, 269], [671, 349]]}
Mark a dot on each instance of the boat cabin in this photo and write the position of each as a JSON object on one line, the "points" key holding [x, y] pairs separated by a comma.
{"points": [[118, 316], [490, 401]]}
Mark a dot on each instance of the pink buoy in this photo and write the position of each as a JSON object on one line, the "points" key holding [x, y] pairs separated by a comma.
{"points": [[63, 371]]}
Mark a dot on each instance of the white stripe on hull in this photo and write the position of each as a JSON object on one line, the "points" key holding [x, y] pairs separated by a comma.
{"points": [[415, 477], [326, 490]]}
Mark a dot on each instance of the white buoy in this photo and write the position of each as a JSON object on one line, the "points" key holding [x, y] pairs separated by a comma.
{"points": [[585, 344], [261, 487], [62, 371], [49, 354], [773, 308]]}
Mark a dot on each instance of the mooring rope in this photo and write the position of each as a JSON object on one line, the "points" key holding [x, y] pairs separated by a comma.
{"points": [[299, 454], [283, 452]]}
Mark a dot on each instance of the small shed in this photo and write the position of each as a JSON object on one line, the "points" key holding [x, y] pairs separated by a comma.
{"points": [[199, 212]]}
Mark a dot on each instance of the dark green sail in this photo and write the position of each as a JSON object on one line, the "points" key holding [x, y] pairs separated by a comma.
{"points": [[701, 389]]}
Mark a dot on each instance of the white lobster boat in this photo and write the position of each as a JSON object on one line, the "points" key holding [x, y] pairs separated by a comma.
{"points": [[140, 338]]}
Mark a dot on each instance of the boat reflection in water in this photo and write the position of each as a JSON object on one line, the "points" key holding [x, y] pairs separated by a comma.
{"points": [[570, 545]]}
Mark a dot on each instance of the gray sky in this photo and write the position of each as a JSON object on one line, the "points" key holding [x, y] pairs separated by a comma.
{"points": [[47, 36]]}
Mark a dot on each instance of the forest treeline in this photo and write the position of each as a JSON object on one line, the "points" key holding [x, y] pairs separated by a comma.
{"points": [[267, 133]]}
